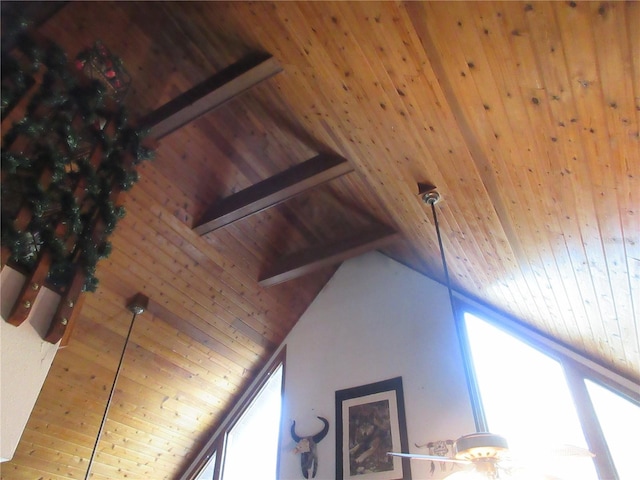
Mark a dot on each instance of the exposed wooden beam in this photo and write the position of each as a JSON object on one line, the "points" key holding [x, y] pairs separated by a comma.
{"points": [[301, 263], [319, 169], [210, 94]]}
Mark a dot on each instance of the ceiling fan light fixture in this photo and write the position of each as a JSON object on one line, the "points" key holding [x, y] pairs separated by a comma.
{"points": [[480, 446], [483, 450]]}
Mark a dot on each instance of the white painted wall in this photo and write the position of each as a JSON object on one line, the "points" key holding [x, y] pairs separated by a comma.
{"points": [[26, 359], [375, 320]]}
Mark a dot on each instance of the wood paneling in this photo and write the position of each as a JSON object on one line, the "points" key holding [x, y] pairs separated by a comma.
{"points": [[524, 115]]}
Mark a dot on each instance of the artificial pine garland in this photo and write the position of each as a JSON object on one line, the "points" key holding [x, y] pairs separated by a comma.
{"points": [[50, 173]]}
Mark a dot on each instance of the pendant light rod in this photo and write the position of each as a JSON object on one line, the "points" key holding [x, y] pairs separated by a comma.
{"points": [[430, 196], [137, 306]]}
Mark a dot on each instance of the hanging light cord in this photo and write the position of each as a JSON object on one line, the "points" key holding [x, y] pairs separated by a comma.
{"points": [[113, 389]]}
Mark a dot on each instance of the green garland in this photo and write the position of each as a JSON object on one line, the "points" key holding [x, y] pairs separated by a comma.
{"points": [[61, 145]]}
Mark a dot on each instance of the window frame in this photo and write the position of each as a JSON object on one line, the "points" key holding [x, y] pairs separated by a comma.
{"points": [[577, 367], [217, 442]]}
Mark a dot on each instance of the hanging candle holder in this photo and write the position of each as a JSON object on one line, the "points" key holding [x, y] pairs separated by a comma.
{"points": [[97, 62]]}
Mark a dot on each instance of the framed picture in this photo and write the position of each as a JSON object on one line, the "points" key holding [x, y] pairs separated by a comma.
{"points": [[370, 421]]}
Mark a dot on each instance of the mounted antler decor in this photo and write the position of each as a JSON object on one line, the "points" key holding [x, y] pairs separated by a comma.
{"points": [[307, 448], [67, 152], [439, 448]]}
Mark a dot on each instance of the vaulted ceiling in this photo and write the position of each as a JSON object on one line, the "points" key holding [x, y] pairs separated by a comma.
{"points": [[524, 115]]}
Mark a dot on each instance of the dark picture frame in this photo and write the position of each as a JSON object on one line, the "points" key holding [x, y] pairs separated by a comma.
{"points": [[370, 421]]}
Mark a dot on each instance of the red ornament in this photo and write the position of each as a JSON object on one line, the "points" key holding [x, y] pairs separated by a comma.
{"points": [[97, 61]]}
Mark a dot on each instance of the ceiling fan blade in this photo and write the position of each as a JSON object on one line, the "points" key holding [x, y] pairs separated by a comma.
{"points": [[549, 463], [569, 451], [434, 458], [532, 455]]}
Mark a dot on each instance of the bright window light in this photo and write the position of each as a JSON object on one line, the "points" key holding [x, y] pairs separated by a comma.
{"points": [[252, 444], [620, 423], [207, 473], [526, 399]]}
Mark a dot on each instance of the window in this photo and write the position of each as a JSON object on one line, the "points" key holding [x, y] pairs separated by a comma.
{"points": [[247, 444], [208, 472], [618, 418], [540, 398], [251, 448], [524, 396]]}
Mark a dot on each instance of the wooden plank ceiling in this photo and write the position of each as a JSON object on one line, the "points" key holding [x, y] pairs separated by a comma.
{"points": [[524, 115]]}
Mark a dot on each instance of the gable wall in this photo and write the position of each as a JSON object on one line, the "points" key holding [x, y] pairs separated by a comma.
{"points": [[374, 320]]}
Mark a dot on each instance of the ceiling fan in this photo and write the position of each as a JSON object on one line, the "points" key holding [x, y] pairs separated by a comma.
{"points": [[487, 454]]}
